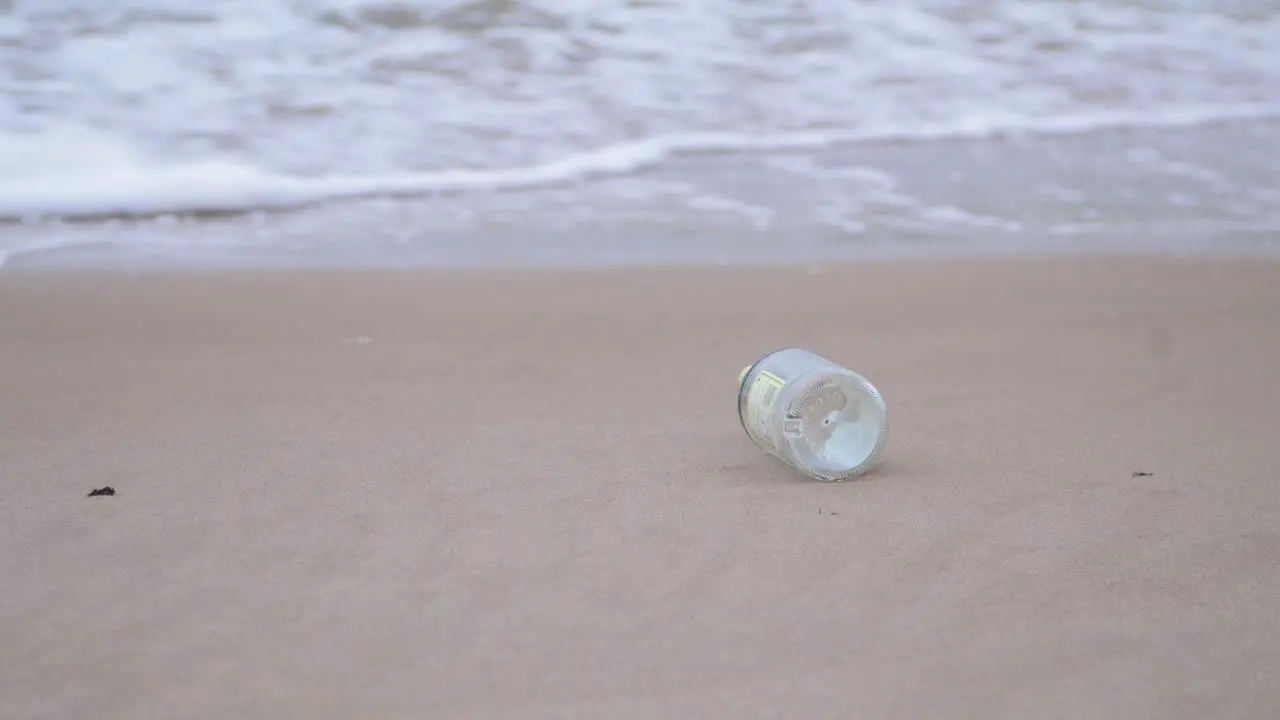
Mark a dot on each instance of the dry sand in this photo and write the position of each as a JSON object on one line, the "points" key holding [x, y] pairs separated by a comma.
{"points": [[527, 495]]}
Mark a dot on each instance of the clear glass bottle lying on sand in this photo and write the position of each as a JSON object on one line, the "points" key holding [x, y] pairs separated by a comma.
{"points": [[824, 420]]}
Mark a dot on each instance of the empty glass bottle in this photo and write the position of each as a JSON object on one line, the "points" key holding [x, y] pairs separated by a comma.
{"points": [[824, 420]]}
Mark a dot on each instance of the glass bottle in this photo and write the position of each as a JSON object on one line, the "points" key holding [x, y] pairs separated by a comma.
{"points": [[822, 419]]}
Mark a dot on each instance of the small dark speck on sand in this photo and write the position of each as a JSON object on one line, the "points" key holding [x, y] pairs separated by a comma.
{"points": [[1139, 473], [108, 490]]}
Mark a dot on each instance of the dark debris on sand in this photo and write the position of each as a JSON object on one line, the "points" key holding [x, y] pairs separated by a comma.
{"points": [[108, 490]]}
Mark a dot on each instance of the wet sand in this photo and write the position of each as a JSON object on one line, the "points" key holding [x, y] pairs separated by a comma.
{"points": [[525, 494]]}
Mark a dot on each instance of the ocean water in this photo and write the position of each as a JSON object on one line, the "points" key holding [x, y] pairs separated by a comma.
{"points": [[352, 130]]}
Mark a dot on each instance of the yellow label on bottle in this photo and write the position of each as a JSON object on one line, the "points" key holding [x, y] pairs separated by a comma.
{"points": [[761, 397]]}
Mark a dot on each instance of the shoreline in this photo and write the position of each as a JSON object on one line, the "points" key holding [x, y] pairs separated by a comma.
{"points": [[90, 260], [1204, 190]]}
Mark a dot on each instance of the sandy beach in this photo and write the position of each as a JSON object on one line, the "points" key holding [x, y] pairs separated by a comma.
{"points": [[525, 494]]}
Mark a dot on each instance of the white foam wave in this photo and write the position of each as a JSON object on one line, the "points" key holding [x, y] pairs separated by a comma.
{"points": [[74, 173]]}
